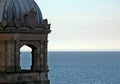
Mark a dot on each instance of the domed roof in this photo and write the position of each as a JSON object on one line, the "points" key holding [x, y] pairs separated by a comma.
{"points": [[23, 12]]}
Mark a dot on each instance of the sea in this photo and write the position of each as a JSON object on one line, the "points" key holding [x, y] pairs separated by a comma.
{"points": [[82, 67]]}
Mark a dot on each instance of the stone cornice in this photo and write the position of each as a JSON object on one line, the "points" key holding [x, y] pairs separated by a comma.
{"points": [[25, 30], [44, 28]]}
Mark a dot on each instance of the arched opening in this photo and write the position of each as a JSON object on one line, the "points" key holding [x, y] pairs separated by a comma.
{"points": [[25, 57]]}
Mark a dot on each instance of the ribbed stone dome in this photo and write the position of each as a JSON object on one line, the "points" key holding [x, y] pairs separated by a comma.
{"points": [[21, 12]]}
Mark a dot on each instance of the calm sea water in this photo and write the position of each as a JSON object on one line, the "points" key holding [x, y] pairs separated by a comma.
{"points": [[84, 67], [81, 67]]}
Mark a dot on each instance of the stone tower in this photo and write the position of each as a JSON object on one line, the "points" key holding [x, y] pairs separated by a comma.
{"points": [[21, 23]]}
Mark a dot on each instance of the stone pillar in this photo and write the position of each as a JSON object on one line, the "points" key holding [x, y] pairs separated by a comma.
{"points": [[17, 60], [2, 56], [44, 66], [46, 56], [35, 60], [2, 61], [10, 59], [42, 56]]}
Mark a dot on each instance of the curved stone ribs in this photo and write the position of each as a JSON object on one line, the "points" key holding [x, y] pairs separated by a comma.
{"points": [[20, 13]]}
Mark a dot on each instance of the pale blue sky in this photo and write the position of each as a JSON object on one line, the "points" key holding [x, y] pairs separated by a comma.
{"points": [[82, 24]]}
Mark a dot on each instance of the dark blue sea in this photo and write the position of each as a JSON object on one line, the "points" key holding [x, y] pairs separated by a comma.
{"points": [[83, 67]]}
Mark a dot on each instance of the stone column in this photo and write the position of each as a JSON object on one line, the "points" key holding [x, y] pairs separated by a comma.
{"points": [[46, 56], [2, 56], [17, 60], [35, 60], [42, 56], [10, 58]]}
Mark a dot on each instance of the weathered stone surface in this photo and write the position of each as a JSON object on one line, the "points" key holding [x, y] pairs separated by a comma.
{"points": [[21, 23], [10, 44]]}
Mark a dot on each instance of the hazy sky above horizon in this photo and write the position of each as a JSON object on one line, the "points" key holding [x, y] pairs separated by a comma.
{"points": [[82, 24]]}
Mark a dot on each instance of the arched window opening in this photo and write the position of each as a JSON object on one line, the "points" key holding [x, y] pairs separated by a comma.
{"points": [[25, 57]]}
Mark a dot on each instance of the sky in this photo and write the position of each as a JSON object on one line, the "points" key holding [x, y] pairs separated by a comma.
{"points": [[82, 25]]}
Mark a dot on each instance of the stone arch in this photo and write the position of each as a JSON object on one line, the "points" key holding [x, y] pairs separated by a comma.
{"points": [[31, 44], [35, 54]]}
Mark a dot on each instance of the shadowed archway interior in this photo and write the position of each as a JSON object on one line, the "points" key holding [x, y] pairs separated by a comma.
{"points": [[28, 59]]}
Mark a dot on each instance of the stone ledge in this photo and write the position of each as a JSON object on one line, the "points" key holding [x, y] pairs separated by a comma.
{"points": [[28, 82], [24, 30], [24, 78]]}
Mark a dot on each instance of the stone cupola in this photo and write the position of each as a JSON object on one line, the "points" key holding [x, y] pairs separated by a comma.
{"points": [[17, 12], [21, 23]]}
